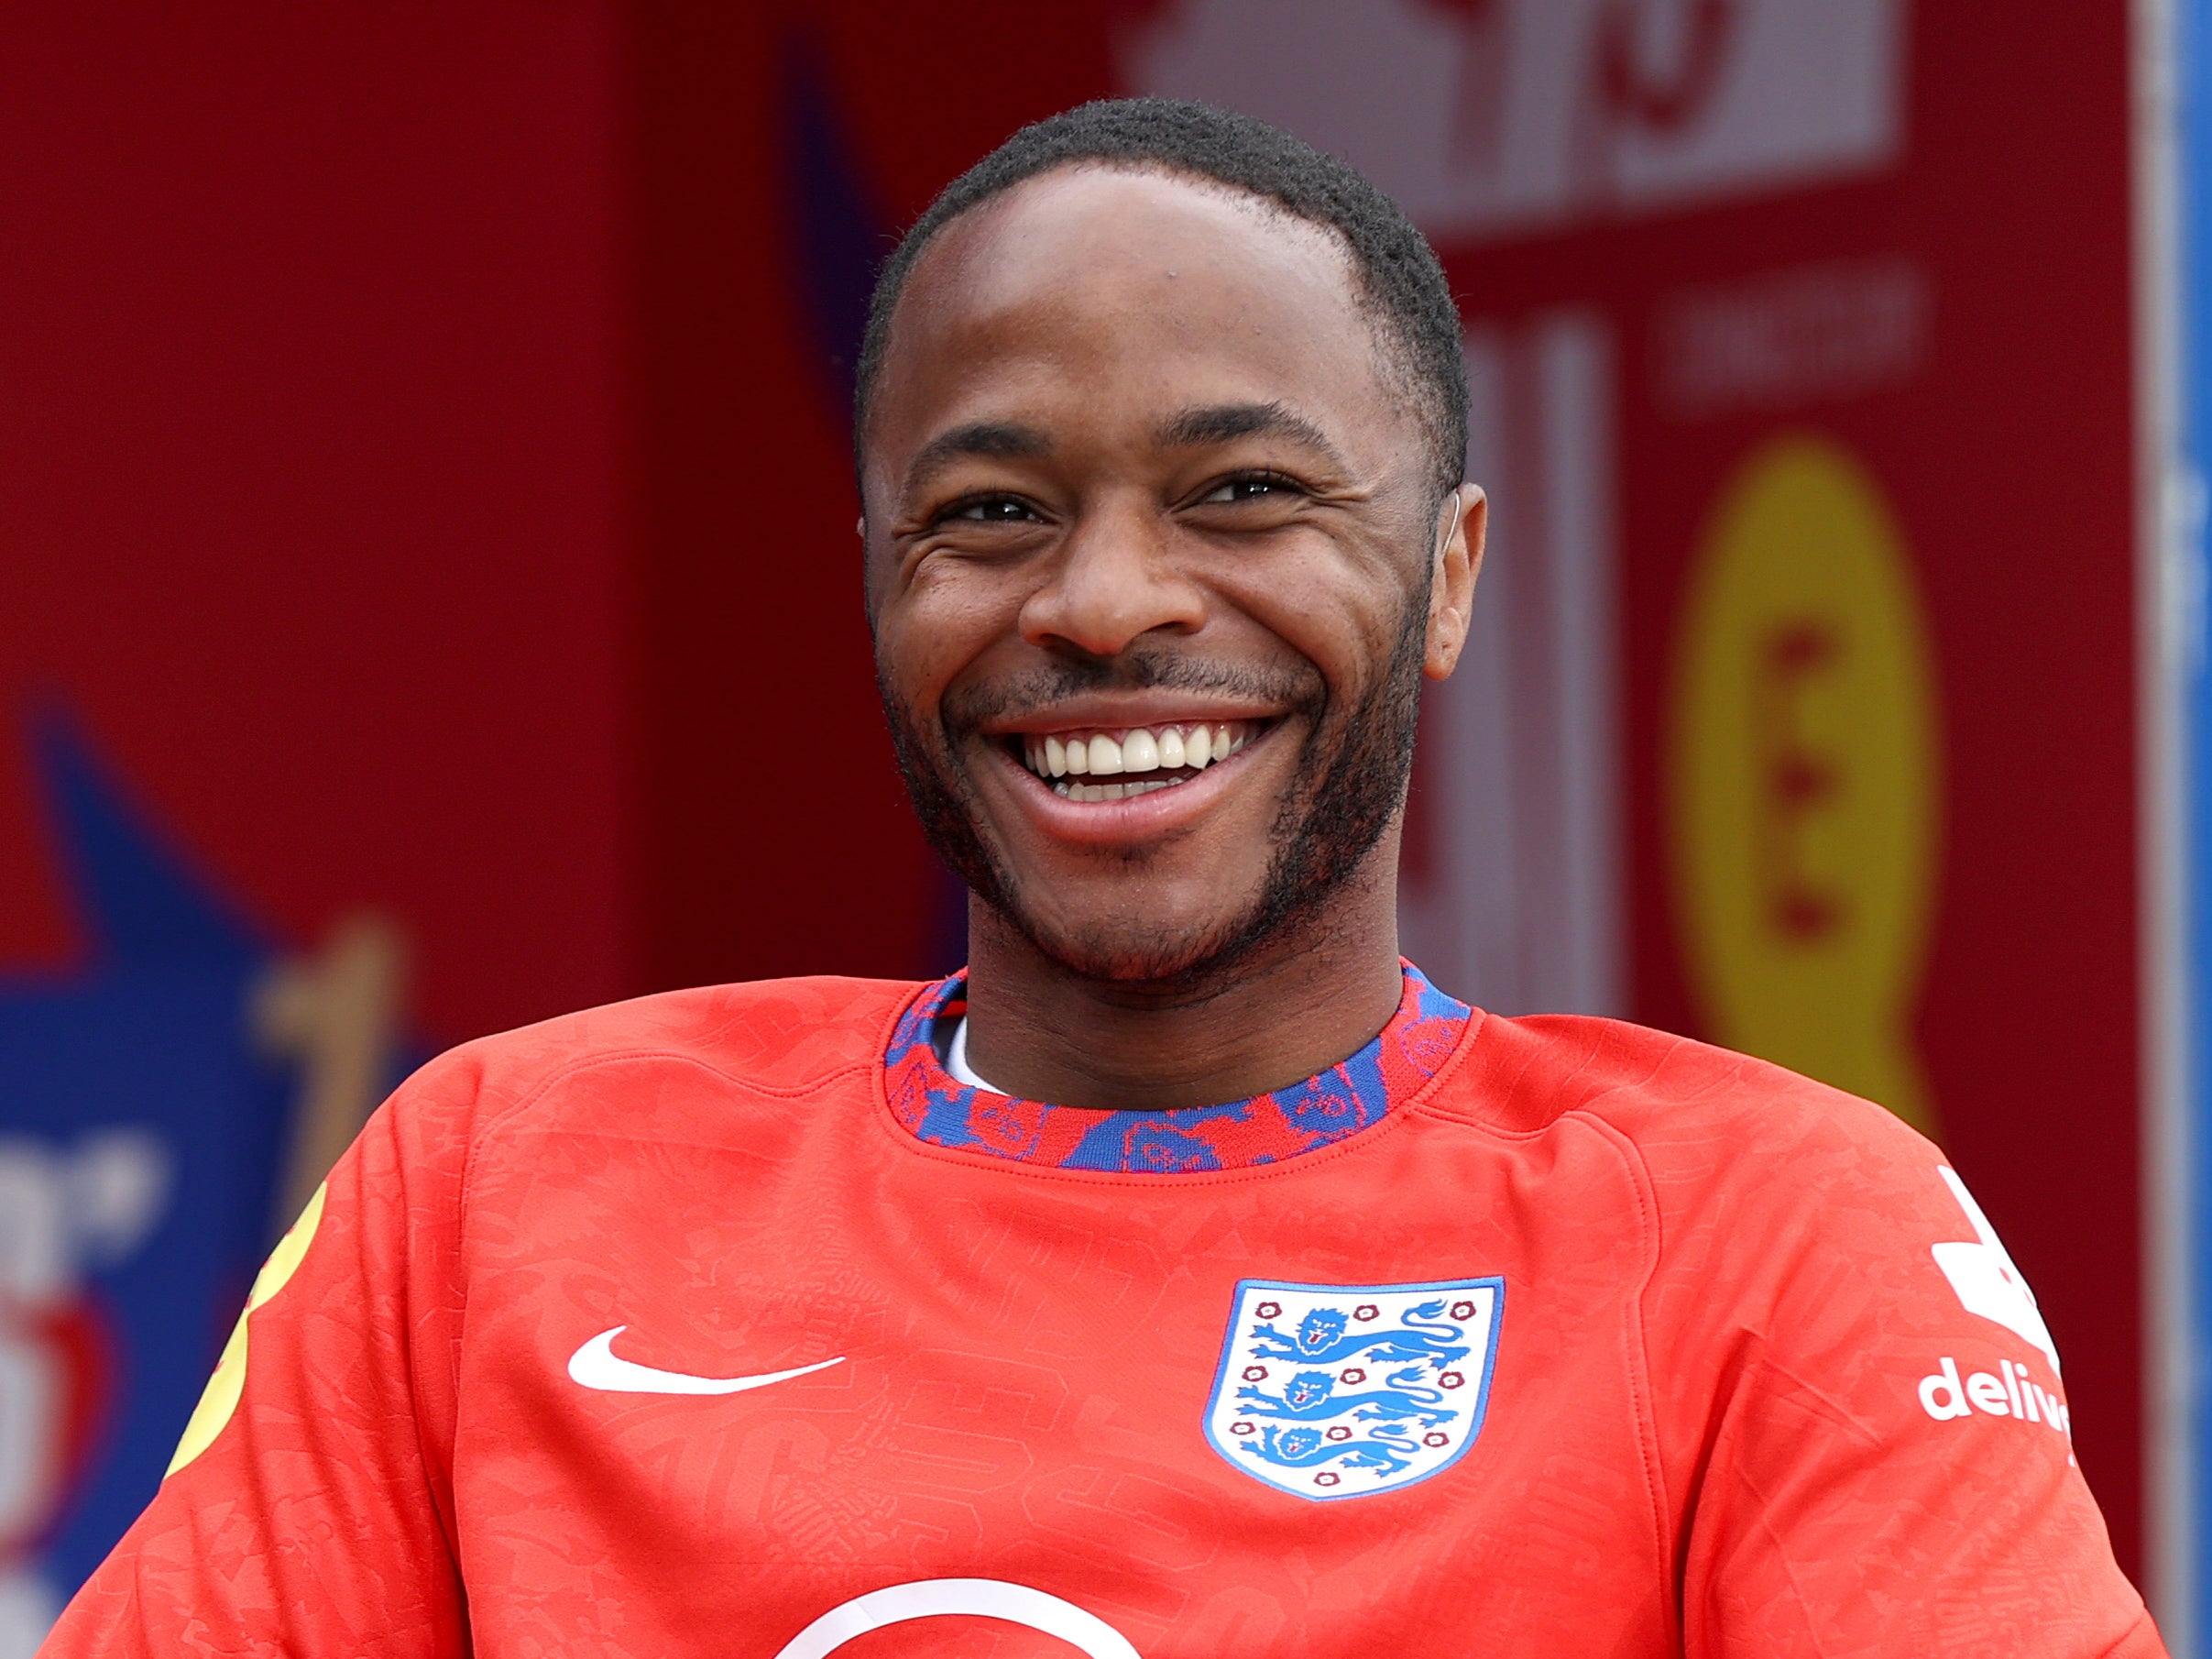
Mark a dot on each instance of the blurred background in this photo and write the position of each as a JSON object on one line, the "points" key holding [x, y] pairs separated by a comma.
{"points": [[430, 602]]}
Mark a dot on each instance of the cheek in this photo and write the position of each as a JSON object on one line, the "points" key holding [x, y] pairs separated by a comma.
{"points": [[927, 636], [1347, 630]]}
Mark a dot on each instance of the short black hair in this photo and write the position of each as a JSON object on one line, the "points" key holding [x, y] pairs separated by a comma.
{"points": [[1402, 283]]}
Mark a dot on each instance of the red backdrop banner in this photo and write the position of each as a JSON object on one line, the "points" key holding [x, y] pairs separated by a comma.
{"points": [[431, 494]]}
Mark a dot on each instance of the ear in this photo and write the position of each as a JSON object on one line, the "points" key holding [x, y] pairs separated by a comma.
{"points": [[1462, 523]]}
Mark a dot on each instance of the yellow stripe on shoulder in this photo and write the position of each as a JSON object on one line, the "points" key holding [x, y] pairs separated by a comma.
{"points": [[220, 1398]]}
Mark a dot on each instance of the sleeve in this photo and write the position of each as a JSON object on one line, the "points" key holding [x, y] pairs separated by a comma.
{"points": [[1879, 1452], [308, 1510]]}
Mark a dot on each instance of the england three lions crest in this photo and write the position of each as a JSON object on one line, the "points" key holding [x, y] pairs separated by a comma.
{"points": [[1345, 1390]]}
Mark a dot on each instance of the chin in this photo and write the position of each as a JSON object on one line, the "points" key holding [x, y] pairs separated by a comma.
{"points": [[1135, 947]]}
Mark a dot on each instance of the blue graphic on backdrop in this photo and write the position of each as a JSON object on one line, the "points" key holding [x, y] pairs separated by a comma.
{"points": [[1346, 1391], [139, 1134], [2189, 1603]]}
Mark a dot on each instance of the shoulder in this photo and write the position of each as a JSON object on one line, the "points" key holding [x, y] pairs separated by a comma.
{"points": [[1771, 1203], [775, 1037], [1707, 1130]]}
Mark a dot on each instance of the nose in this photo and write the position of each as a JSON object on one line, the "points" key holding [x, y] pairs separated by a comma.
{"points": [[1114, 580]]}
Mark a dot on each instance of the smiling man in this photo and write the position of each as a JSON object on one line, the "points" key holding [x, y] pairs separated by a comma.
{"points": [[1265, 1300]]}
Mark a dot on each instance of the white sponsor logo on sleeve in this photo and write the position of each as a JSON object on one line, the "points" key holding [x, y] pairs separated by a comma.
{"points": [[1986, 1281], [1945, 1394], [1989, 1286]]}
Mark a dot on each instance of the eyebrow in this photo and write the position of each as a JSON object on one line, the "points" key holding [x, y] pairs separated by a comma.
{"points": [[985, 440], [1223, 423]]}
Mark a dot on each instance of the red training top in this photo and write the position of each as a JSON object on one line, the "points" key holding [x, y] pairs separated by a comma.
{"points": [[724, 1324]]}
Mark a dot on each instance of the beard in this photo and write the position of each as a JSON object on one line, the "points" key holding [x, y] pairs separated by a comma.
{"points": [[1350, 782]]}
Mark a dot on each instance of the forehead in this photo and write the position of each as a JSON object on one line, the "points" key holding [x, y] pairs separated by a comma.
{"points": [[1091, 290]]}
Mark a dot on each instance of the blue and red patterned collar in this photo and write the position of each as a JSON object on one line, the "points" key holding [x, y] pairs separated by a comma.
{"points": [[1304, 1117]]}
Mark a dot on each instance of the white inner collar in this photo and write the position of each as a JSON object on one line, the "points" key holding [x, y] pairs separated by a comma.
{"points": [[956, 1061]]}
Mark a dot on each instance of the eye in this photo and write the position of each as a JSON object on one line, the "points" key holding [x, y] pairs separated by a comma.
{"points": [[989, 509], [1251, 486]]}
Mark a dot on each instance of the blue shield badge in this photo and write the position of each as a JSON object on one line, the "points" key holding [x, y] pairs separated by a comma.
{"points": [[1345, 1390]]}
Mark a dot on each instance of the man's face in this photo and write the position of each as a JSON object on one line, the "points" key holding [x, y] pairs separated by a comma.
{"points": [[1151, 542]]}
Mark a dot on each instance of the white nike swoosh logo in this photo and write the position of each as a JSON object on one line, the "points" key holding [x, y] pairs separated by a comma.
{"points": [[595, 1365]]}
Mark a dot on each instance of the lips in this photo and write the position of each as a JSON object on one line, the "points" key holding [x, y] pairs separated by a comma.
{"points": [[1077, 762]]}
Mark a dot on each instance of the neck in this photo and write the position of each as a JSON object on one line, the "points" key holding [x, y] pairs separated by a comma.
{"points": [[1292, 1009]]}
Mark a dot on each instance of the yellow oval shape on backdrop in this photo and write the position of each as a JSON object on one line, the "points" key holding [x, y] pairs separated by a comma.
{"points": [[220, 1398], [1803, 776]]}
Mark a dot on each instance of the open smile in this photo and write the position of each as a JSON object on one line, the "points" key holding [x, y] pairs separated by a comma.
{"points": [[1096, 764]]}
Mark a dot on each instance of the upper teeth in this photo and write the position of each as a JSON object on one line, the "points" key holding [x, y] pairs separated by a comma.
{"points": [[1138, 750]]}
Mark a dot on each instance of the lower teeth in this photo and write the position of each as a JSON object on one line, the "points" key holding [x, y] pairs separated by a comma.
{"points": [[1067, 789]]}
